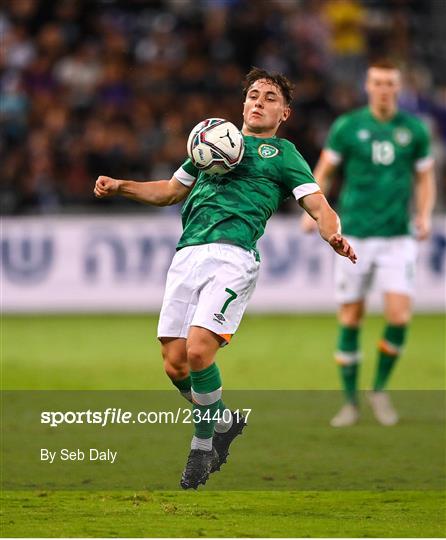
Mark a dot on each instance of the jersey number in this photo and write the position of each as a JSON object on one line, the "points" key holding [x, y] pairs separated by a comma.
{"points": [[383, 153], [232, 296]]}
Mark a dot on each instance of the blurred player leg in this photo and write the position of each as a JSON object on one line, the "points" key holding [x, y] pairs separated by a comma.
{"points": [[351, 285], [397, 312], [347, 357], [396, 277]]}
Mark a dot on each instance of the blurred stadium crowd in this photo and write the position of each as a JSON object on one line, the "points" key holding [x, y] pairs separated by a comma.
{"points": [[109, 87]]}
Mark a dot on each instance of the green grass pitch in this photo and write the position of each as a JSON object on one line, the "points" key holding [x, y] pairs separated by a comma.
{"points": [[269, 352]]}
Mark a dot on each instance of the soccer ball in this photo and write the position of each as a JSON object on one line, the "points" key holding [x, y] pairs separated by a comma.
{"points": [[215, 146]]}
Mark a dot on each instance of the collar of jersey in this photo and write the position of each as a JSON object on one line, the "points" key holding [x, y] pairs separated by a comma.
{"points": [[273, 138], [382, 122]]}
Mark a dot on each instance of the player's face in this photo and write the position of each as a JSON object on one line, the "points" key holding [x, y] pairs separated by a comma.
{"points": [[383, 87], [264, 109]]}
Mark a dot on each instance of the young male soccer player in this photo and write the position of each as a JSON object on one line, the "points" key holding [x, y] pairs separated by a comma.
{"points": [[383, 151], [214, 271]]}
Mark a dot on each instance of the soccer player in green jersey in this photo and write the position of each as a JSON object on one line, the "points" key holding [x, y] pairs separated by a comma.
{"points": [[214, 271], [386, 158]]}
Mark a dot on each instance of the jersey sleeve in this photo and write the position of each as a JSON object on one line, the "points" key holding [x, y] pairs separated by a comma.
{"points": [[335, 145], [296, 174], [422, 153], [187, 173]]}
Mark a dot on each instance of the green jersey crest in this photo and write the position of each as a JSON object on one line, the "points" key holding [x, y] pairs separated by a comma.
{"points": [[402, 136], [268, 151]]}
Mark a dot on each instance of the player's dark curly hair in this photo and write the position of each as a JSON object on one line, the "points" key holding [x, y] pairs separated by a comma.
{"points": [[284, 84]]}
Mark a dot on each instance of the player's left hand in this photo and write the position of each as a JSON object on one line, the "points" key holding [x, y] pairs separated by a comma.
{"points": [[423, 227], [342, 247]]}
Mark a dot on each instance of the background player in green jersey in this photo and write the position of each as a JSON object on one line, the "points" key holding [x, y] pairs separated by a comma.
{"points": [[386, 159], [215, 269]]}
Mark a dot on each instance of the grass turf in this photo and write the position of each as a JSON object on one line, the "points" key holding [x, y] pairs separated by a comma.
{"points": [[224, 514], [274, 352], [268, 352]]}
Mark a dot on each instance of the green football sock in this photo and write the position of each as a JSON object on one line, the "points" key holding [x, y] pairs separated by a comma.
{"points": [[206, 393], [389, 350], [184, 386], [347, 356]]}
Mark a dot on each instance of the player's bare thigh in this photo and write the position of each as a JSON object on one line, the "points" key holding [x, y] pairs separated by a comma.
{"points": [[397, 308]]}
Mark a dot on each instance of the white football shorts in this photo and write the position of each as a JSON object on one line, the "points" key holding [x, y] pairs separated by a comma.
{"points": [[208, 285], [389, 263]]}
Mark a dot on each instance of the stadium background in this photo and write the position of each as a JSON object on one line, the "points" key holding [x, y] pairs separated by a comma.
{"points": [[114, 88], [91, 87]]}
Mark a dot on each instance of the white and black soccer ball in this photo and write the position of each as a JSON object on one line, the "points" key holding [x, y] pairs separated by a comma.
{"points": [[215, 146]]}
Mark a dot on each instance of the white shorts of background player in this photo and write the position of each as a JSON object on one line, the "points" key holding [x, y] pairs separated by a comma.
{"points": [[388, 263]]}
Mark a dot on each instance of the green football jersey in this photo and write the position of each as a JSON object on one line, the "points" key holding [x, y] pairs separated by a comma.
{"points": [[234, 207], [379, 161]]}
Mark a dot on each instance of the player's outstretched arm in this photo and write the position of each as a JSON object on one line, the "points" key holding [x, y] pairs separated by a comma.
{"points": [[159, 193], [325, 167], [328, 223]]}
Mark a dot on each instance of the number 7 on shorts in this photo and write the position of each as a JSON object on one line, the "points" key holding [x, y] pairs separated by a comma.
{"points": [[232, 296]]}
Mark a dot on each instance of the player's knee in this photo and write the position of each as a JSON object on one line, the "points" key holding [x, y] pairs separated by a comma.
{"points": [[398, 309], [197, 356], [398, 317], [351, 315], [175, 362]]}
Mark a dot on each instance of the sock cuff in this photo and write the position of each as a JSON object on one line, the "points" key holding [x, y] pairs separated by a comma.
{"points": [[347, 358], [208, 398], [388, 348]]}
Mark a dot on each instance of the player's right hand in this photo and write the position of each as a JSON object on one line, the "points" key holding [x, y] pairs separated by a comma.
{"points": [[307, 223], [106, 187], [340, 244]]}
